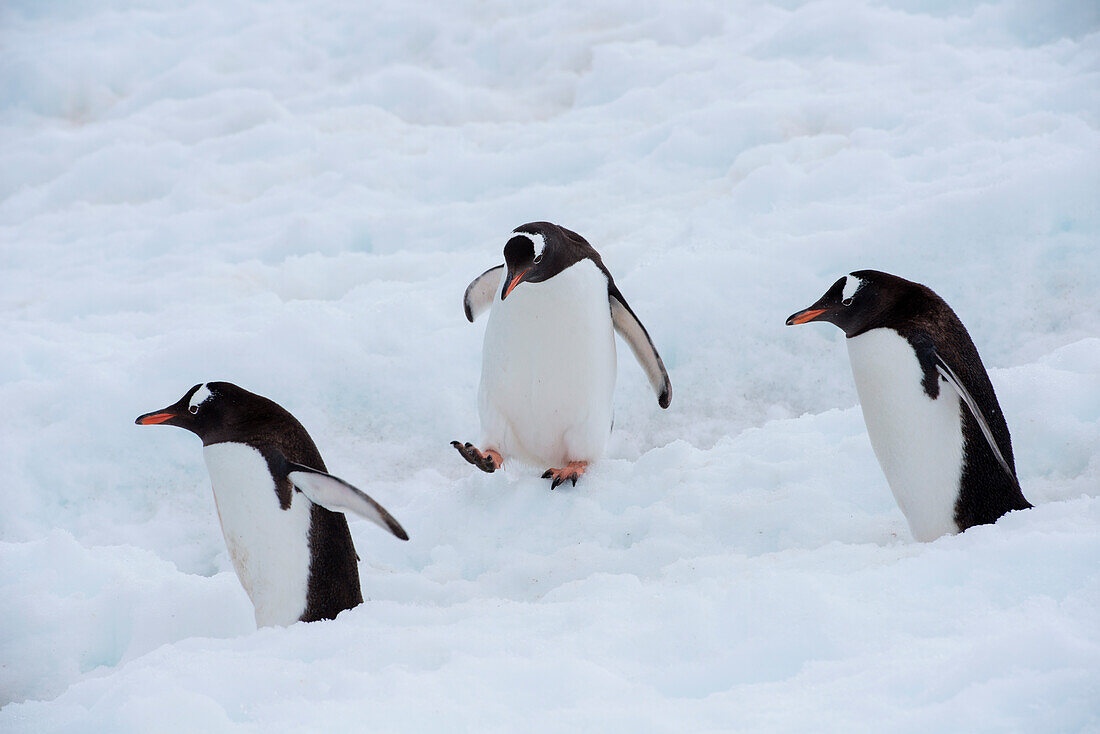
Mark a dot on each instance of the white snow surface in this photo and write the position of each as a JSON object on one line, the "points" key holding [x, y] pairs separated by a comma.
{"points": [[292, 196]]}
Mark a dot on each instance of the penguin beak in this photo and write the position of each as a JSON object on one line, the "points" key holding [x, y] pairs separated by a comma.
{"points": [[805, 316], [157, 416], [515, 280]]}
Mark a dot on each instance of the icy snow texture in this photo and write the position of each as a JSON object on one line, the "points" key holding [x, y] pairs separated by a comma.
{"points": [[293, 196]]}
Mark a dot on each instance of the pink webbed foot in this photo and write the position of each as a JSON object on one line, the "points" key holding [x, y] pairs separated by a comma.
{"points": [[488, 461], [572, 472]]}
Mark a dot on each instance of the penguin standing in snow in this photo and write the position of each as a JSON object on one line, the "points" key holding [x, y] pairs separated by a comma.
{"points": [[280, 512], [548, 359], [931, 414]]}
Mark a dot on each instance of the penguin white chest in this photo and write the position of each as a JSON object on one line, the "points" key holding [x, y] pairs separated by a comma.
{"points": [[548, 369], [918, 441], [269, 546]]}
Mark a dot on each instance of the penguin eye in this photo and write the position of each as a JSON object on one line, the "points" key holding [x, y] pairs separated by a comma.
{"points": [[538, 259], [193, 409], [846, 302]]}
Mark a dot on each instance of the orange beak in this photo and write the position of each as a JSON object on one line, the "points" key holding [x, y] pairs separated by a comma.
{"points": [[515, 281], [803, 316], [154, 418]]}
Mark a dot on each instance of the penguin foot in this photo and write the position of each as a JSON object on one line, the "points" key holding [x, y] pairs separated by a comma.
{"points": [[488, 461], [572, 472]]}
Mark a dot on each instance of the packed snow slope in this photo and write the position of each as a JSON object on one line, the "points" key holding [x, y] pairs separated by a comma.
{"points": [[292, 196]]}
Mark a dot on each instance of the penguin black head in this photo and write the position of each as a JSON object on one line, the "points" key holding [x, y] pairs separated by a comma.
{"points": [[205, 409], [861, 301], [538, 251]]}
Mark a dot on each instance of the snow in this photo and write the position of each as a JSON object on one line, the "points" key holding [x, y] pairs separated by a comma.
{"points": [[293, 197]]}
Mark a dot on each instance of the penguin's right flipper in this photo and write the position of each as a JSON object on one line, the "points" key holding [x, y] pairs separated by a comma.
{"points": [[632, 331], [949, 376], [336, 495], [480, 293]]}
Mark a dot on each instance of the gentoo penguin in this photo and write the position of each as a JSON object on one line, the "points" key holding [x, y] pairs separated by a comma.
{"points": [[548, 359], [930, 410], [280, 511]]}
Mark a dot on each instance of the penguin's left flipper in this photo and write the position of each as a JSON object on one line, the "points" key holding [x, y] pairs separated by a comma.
{"points": [[336, 495], [949, 376], [631, 330], [481, 292]]}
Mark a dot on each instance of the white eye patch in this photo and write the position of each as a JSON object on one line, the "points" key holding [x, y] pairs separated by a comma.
{"points": [[851, 285], [201, 396], [536, 239]]}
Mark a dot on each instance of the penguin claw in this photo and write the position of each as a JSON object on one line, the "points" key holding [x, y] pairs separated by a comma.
{"points": [[572, 472], [488, 461]]}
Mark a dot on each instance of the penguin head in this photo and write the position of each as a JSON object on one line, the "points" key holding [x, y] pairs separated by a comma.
{"points": [[859, 301], [203, 409], [538, 251]]}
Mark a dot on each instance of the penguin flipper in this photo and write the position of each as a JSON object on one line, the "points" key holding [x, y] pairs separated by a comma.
{"points": [[480, 293], [634, 334], [336, 495], [948, 374]]}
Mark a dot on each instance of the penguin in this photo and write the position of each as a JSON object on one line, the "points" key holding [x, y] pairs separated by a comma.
{"points": [[548, 358], [932, 416], [280, 511]]}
